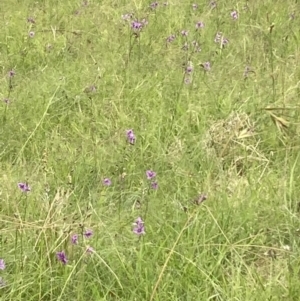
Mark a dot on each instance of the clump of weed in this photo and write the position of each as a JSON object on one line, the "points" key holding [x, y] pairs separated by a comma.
{"points": [[233, 141]]}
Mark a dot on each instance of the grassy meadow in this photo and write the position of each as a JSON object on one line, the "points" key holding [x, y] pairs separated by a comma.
{"points": [[149, 151]]}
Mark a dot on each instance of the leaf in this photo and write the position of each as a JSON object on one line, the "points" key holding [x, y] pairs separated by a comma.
{"points": [[279, 121], [245, 133]]}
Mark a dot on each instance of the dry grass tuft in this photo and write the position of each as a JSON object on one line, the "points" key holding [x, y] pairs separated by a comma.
{"points": [[233, 141]]}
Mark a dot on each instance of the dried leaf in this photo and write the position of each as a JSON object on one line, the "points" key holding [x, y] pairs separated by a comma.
{"points": [[280, 123]]}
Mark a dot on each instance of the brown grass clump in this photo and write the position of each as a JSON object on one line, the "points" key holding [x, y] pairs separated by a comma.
{"points": [[233, 142]]}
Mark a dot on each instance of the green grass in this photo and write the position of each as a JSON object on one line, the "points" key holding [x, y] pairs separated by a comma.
{"points": [[232, 137]]}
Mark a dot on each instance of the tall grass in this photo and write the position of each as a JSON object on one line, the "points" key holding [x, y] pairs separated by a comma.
{"points": [[216, 117]]}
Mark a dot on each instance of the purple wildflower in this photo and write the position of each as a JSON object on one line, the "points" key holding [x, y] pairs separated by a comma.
{"points": [[11, 73], [24, 187], [61, 256], [234, 15], [107, 182], [139, 227], [189, 69], [88, 233], [154, 5], [194, 6], [154, 185], [206, 66], [135, 25], [138, 230], [199, 25], [2, 264], [150, 174], [31, 34], [171, 38], [184, 33], [130, 136], [74, 239], [225, 41], [138, 221]]}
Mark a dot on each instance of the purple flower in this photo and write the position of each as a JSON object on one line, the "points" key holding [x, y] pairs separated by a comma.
{"points": [[31, 34], [130, 136], [154, 185], [24, 187], [150, 174], [206, 66], [189, 69], [88, 233], [184, 33], [199, 25], [107, 182], [61, 256], [154, 5], [139, 230], [234, 15], [171, 38], [139, 227], [2, 264], [135, 25], [225, 41], [138, 221], [11, 73], [194, 6], [74, 239]]}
